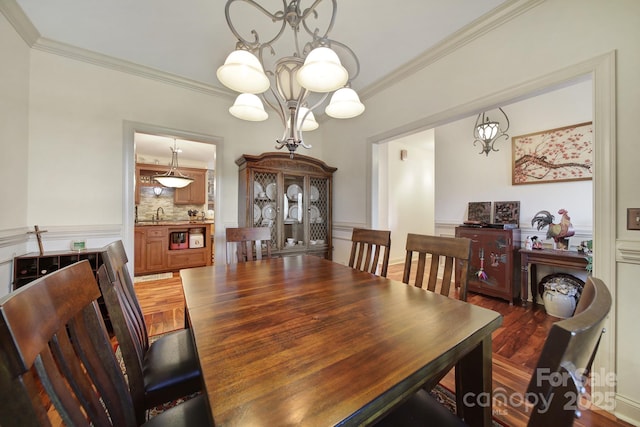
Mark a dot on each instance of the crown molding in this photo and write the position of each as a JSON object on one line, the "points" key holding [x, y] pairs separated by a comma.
{"points": [[106, 61], [20, 22], [497, 17]]}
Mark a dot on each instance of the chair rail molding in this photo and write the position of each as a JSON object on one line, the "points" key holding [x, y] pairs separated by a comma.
{"points": [[628, 251]]}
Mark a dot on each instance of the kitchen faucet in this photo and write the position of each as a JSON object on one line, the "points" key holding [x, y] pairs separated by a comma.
{"points": [[158, 213]]}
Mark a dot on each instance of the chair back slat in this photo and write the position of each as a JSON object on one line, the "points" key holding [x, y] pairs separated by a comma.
{"points": [[565, 362], [54, 341], [115, 260], [444, 251], [367, 247], [246, 244]]}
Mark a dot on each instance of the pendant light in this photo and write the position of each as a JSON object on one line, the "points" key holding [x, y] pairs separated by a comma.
{"points": [[173, 178]]}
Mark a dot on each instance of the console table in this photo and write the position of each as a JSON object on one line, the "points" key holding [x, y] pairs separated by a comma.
{"points": [[551, 257]]}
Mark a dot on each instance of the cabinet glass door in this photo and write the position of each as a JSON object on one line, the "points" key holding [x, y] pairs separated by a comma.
{"points": [[293, 212], [318, 211], [265, 203]]}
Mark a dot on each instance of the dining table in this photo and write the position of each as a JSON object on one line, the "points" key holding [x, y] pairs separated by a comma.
{"points": [[305, 341]]}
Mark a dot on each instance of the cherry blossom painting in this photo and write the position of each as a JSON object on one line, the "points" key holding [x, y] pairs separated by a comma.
{"points": [[562, 154]]}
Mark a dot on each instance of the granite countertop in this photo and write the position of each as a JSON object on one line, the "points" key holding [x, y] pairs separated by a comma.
{"points": [[172, 222]]}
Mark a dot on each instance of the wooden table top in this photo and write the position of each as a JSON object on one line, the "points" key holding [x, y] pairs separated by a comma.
{"points": [[306, 341]]}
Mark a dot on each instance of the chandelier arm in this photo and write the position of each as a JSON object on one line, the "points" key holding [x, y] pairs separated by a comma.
{"points": [[507, 118], [312, 9], [278, 16], [351, 53]]}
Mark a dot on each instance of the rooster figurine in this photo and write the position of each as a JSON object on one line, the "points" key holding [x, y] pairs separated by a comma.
{"points": [[559, 232]]}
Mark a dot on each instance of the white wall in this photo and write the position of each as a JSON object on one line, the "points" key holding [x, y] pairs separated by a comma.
{"points": [[14, 95], [410, 185], [463, 175]]}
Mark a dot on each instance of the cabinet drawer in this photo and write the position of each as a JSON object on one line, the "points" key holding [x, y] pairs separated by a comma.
{"points": [[186, 258], [156, 232]]}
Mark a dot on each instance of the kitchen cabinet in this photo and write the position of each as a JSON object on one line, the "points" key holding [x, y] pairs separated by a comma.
{"points": [[292, 197], [154, 253], [192, 194], [495, 251]]}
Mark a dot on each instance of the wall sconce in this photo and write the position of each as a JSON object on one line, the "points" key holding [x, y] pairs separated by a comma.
{"points": [[157, 191], [487, 131], [403, 154]]}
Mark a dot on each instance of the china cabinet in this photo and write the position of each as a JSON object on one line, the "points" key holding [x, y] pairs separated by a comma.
{"points": [[292, 197], [494, 267]]}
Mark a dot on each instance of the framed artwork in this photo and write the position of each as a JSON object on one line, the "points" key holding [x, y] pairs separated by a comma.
{"points": [[506, 212], [562, 154], [480, 211]]}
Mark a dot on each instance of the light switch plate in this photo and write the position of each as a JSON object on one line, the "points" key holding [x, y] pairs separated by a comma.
{"points": [[633, 218]]}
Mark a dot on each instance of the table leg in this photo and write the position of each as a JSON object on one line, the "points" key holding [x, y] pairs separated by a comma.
{"points": [[524, 282], [473, 385], [533, 281]]}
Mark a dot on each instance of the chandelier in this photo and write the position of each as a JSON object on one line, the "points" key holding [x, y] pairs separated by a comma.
{"points": [[487, 131], [173, 178], [293, 86]]}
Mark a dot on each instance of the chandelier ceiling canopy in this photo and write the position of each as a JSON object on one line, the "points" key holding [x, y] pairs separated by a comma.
{"points": [[293, 86]]}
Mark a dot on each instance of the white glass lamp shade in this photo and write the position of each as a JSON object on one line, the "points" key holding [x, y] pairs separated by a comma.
{"points": [[248, 107], [173, 181], [488, 130], [309, 121], [243, 72], [322, 71], [344, 104]]}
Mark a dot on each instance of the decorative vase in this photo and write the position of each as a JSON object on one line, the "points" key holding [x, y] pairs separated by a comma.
{"points": [[558, 304], [560, 293]]}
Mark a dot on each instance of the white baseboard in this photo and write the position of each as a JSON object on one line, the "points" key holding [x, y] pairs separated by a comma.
{"points": [[627, 410]]}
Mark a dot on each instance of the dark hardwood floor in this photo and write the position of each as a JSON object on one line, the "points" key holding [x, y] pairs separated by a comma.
{"points": [[516, 345]]}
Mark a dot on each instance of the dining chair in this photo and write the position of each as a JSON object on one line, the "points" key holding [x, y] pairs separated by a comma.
{"points": [[366, 247], [160, 371], [560, 376], [246, 243], [451, 250], [56, 354]]}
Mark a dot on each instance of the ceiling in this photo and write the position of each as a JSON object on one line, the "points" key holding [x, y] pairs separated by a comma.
{"points": [[190, 39]]}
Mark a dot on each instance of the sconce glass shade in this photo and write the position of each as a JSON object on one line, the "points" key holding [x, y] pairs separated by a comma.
{"points": [[243, 72], [322, 71], [157, 191], [488, 130], [248, 107], [344, 104]]}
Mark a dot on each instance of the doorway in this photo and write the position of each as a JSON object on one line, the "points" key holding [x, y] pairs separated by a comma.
{"points": [[158, 138]]}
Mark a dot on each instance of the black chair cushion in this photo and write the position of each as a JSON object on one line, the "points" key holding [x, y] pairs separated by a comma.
{"points": [[192, 413], [171, 362], [421, 410]]}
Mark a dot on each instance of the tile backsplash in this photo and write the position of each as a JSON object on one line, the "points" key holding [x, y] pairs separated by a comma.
{"points": [[149, 204]]}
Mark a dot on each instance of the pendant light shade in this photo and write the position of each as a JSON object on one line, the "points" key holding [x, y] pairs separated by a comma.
{"points": [[322, 71], [248, 107], [243, 72], [307, 121], [344, 104]]}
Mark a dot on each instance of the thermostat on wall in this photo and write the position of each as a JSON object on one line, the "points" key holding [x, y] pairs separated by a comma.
{"points": [[78, 245]]}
